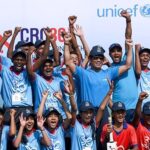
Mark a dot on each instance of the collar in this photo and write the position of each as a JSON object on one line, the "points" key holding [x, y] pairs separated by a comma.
{"points": [[12, 69], [146, 70], [29, 133], [48, 80]]}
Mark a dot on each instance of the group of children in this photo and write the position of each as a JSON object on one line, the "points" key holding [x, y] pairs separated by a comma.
{"points": [[47, 101]]}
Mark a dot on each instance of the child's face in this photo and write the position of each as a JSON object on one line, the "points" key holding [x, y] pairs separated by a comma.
{"points": [[1, 119], [86, 116], [146, 119], [30, 123], [119, 116], [52, 120], [144, 59]]}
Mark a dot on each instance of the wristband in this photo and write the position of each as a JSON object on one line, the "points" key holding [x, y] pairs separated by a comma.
{"points": [[66, 43]]}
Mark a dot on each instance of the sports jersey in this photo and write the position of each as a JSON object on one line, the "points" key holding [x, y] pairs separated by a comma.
{"points": [[39, 86], [144, 85], [94, 85], [143, 136], [16, 88], [57, 139], [30, 142], [125, 138], [125, 87]]}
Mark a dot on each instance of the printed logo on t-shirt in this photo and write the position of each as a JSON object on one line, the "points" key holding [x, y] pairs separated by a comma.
{"points": [[146, 143]]}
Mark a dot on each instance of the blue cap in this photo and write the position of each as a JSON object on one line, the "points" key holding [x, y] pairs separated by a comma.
{"points": [[38, 43], [118, 106], [146, 108], [19, 52], [97, 51], [50, 110], [142, 50], [86, 106], [28, 112], [22, 44], [115, 45]]}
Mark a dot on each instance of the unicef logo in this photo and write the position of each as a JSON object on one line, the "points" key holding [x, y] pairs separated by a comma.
{"points": [[145, 10]]}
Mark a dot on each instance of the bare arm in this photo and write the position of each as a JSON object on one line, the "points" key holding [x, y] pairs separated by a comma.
{"points": [[45, 139], [128, 30], [102, 107], [66, 122], [67, 57], [17, 141], [137, 61], [128, 63], [11, 46], [56, 53], [41, 107], [29, 66], [79, 32], [38, 63], [72, 20], [70, 90], [12, 130], [137, 115], [6, 35]]}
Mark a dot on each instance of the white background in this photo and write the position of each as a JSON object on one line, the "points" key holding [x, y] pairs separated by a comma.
{"points": [[54, 13]]}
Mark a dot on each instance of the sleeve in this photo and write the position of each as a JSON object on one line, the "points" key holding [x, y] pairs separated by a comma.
{"points": [[78, 71], [133, 137], [6, 61], [113, 72], [103, 134]]}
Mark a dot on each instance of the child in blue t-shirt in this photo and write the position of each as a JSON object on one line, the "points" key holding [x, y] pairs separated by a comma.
{"points": [[54, 127]]}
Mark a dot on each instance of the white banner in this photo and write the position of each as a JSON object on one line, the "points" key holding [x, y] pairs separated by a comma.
{"points": [[100, 19]]}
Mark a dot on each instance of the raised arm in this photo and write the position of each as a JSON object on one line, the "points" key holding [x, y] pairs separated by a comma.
{"points": [[5, 37], [29, 66], [41, 107], [12, 129], [70, 90], [45, 139], [66, 122], [11, 46], [72, 20], [67, 57], [128, 30], [55, 53], [128, 63], [79, 32], [105, 101], [39, 62], [18, 139], [136, 119], [137, 60]]}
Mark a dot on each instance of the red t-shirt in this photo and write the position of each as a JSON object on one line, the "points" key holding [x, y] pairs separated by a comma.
{"points": [[125, 138], [143, 136]]}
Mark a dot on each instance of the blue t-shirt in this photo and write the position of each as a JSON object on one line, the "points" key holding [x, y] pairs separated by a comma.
{"points": [[81, 137], [39, 86], [125, 87], [94, 85], [4, 138], [16, 89], [57, 139], [144, 85], [60, 73], [32, 142]]}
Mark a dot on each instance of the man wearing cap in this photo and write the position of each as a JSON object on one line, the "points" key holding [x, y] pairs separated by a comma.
{"points": [[16, 88], [141, 122], [143, 70], [125, 86], [123, 133], [45, 81]]}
